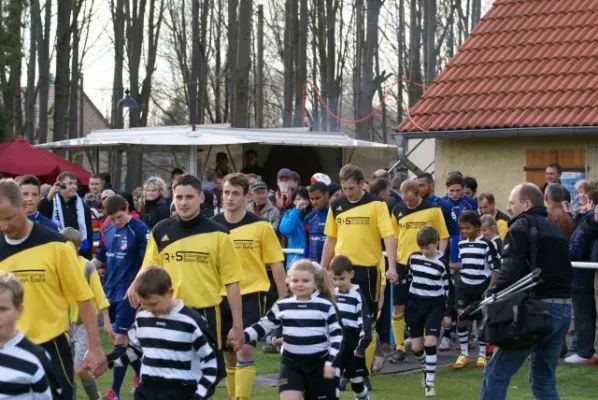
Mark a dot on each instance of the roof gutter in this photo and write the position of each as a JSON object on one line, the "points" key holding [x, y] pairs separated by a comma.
{"points": [[500, 132]]}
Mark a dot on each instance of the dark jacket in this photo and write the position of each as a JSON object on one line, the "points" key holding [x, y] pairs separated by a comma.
{"points": [[552, 256], [155, 211], [583, 246]]}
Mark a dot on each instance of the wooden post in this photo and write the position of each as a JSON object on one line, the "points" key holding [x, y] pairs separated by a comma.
{"points": [[259, 115]]}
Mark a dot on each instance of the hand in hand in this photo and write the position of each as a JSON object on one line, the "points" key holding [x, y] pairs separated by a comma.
{"points": [[329, 372], [95, 361], [236, 338], [392, 275], [276, 341]]}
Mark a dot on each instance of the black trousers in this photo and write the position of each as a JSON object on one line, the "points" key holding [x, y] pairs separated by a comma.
{"points": [[63, 371], [584, 308]]}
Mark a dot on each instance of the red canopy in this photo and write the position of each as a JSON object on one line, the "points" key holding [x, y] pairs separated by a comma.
{"points": [[18, 157]]}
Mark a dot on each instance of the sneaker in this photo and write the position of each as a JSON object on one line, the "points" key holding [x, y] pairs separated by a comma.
{"points": [[481, 362], [575, 359], [445, 344], [399, 356], [461, 362], [135, 384], [378, 364], [343, 384], [429, 391], [110, 395], [269, 349]]}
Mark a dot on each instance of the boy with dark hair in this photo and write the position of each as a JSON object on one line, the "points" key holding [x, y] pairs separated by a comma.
{"points": [[478, 258], [458, 203], [357, 329], [431, 302], [188, 344], [470, 189], [26, 369], [316, 220]]}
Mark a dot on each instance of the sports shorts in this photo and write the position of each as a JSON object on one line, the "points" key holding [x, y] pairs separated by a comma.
{"points": [[61, 360], [400, 294], [254, 306], [79, 344], [368, 279], [122, 316], [306, 376], [424, 316]]}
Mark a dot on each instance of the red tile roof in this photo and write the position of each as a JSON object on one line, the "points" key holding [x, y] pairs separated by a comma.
{"points": [[528, 63]]}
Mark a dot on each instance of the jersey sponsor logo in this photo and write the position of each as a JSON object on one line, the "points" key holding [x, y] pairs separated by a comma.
{"points": [[31, 275], [165, 238], [353, 220], [123, 245], [413, 225], [244, 244], [187, 257]]}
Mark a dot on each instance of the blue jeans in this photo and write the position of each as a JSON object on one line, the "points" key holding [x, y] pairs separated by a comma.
{"points": [[543, 363]]}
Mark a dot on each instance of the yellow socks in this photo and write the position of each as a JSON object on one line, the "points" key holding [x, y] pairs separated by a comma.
{"points": [[245, 374], [230, 381], [398, 330], [371, 350]]}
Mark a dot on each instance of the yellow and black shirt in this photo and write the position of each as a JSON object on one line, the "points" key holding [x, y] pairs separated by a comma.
{"points": [[407, 222], [358, 228], [198, 254], [257, 245], [47, 266], [502, 223]]}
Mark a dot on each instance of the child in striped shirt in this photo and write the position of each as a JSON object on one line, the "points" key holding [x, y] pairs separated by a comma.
{"points": [[357, 327], [430, 303], [172, 340], [26, 370], [311, 334]]}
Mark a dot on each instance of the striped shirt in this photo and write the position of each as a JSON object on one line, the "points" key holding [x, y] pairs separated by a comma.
{"points": [[355, 316], [173, 348], [478, 259], [310, 328], [498, 244], [430, 278], [23, 367]]}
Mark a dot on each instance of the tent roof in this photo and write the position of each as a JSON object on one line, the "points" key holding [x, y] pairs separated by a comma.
{"points": [[210, 135]]}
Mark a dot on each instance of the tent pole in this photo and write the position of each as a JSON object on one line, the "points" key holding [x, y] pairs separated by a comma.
{"points": [[192, 160], [230, 157]]}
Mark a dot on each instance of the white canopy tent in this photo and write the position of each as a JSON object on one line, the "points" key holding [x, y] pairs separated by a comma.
{"points": [[195, 137]]}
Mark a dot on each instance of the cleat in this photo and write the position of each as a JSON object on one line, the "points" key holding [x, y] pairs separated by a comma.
{"points": [[429, 391], [378, 364], [481, 362], [110, 395], [445, 344], [398, 357], [461, 362], [135, 384]]}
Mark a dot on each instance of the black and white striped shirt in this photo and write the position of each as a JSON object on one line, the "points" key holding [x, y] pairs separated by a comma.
{"points": [[173, 348], [23, 367], [430, 278], [478, 259], [355, 316], [309, 328]]}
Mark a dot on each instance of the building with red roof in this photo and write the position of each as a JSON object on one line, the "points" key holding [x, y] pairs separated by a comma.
{"points": [[521, 92]]}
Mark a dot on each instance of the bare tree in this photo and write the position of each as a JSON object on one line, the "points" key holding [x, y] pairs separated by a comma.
{"points": [[233, 6], [241, 105], [30, 117], [117, 9], [301, 64], [63, 56], [415, 67], [43, 61]]}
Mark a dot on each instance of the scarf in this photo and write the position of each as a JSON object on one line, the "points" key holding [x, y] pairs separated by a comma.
{"points": [[58, 219]]}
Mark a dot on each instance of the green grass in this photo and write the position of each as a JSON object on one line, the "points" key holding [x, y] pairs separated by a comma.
{"points": [[574, 383]]}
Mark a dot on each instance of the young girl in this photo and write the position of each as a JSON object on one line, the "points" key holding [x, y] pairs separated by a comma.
{"points": [[311, 335], [292, 225]]}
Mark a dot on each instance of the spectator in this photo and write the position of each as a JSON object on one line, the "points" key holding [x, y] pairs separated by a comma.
{"points": [[156, 207], [174, 175], [106, 181], [285, 185], [262, 206], [381, 189], [583, 189], [95, 185], [487, 206], [211, 182], [251, 165], [554, 194], [316, 220], [470, 189], [553, 175], [292, 225], [222, 168], [395, 185], [380, 173]]}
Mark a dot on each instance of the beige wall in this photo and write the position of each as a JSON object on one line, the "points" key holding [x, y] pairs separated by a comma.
{"points": [[498, 163]]}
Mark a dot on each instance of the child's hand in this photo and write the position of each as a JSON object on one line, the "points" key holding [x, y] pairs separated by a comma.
{"points": [[356, 354], [276, 341], [329, 372], [108, 331], [455, 266], [446, 322]]}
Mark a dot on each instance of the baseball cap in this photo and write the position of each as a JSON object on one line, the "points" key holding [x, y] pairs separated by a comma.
{"points": [[258, 185], [107, 193], [285, 173], [320, 177]]}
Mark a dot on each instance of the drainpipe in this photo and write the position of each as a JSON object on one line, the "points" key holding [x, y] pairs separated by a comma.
{"points": [[404, 161]]}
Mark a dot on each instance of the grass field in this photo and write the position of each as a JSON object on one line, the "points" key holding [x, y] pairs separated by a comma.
{"points": [[574, 383]]}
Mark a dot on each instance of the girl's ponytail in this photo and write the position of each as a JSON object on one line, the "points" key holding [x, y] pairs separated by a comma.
{"points": [[321, 277]]}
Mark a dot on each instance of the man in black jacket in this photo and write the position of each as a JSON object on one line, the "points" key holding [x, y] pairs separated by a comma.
{"points": [[526, 202]]}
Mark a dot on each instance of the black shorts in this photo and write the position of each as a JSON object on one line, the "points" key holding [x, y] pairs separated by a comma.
{"points": [[467, 294], [400, 294], [306, 376], [351, 366], [368, 279], [61, 357], [254, 305], [212, 316], [158, 389], [424, 317]]}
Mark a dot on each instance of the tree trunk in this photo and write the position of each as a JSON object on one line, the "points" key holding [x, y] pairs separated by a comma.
{"points": [[232, 55], [63, 57], [118, 21], [194, 62], [401, 60], [43, 60], [359, 44], [476, 13], [240, 114], [218, 67], [322, 20], [34, 28], [333, 89], [74, 93], [153, 38], [430, 41], [415, 91], [289, 61], [259, 108], [301, 75]]}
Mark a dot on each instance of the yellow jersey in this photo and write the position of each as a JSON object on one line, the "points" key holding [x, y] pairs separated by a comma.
{"points": [[407, 222], [199, 256], [358, 228], [257, 245], [502, 223], [47, 266], [99, 297]]}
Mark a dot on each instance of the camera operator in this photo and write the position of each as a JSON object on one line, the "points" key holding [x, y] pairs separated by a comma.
{"points": [[526, 202]]}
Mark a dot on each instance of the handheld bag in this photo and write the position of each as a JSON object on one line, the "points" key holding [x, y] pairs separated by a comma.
{"points": [[518, 321]]}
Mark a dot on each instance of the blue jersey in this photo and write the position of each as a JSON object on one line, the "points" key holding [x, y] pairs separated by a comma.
{"points": [[456, 208], [316, 222], [40, 219], [122, 251]]}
